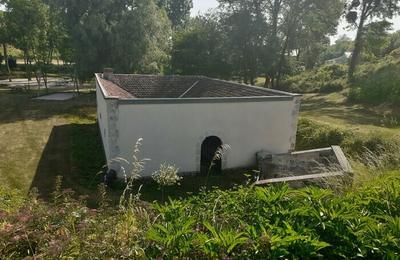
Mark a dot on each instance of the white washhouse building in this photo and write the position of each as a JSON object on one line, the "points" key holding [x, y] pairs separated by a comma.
{"points": [[184, 119]]}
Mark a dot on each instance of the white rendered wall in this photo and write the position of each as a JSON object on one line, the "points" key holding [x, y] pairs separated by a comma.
{"points": [[173, 133], [102, 117]]}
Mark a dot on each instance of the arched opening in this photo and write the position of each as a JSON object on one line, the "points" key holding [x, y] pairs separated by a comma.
{"points": [[209, 147]]}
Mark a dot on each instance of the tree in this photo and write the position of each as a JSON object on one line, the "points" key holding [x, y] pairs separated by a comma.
{"points": [[274, 8], [50, 40], [25, 20], [358, 14], [318, 23], [377, 38], [298, 27], [394, 42], [178, 10], [342, 45], [4, 39], [305, 26], [246, 28], [199, 49], [130, 36]]}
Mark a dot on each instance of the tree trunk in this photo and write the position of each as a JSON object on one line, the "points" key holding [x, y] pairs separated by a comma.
{"points": [[76, 81], [6, 61], [281, 62], [44, 70], [45, 81], [273, 47], [298, 55], [29, 68], [358, 43]]}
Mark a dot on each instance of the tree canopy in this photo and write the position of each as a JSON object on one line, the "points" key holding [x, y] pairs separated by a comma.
{"points": [[178, 10], [359, 12], [241, 39], [131, 36]]}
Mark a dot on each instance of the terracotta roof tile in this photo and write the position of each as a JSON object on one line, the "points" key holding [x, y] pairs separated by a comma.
{"points": [[114, 90], [152, 86], [148, 86], [218, 88]]}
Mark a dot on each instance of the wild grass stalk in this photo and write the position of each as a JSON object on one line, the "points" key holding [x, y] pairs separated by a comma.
{"points": [[219, 153], [136, 165]]}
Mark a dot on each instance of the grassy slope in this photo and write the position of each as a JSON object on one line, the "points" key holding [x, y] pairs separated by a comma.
{"points": [[335, 111]]}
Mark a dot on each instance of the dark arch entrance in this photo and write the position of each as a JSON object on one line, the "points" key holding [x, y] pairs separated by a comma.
{"points": [[208, 149]]}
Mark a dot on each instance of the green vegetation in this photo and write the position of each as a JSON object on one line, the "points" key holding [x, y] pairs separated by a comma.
{"points": [[42, 139], [285, 43], [53, 203], [376, 82], [246, 222], [243, 222], [324, 79]]}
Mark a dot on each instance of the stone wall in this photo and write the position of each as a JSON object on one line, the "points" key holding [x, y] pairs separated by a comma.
{"points": [[316, 161]]}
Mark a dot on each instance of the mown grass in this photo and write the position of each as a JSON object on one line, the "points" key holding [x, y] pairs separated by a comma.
{"points": [[39, 138], [334, 109]]}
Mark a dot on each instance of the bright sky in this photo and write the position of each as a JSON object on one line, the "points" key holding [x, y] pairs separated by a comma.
{"points": [[203, 5]]}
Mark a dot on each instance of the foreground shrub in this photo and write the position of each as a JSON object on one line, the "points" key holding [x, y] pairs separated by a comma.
{"points": [[66, 228], [279, 222], [244, 223]]}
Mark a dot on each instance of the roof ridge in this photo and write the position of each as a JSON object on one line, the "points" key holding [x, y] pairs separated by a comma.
{"points": [[186, 86]]}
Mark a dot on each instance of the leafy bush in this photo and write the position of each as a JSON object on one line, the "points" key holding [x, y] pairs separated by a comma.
{"points": [[333, 86], [325, 79], [378, 82], [66, 228], [361, 147], [311, 135], [280, 222]]}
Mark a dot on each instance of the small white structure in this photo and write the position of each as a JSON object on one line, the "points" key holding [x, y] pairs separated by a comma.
{"points": [[184, 119], [340, 60]]}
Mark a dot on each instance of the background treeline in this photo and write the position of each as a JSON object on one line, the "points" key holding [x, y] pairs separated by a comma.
{"points": [[246, 40]]}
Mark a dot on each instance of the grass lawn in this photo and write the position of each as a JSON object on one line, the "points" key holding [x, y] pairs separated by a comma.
{"points": [[334, 110], [42, 139]]}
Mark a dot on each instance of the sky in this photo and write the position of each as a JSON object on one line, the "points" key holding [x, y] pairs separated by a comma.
{"points": [[203, 5]]}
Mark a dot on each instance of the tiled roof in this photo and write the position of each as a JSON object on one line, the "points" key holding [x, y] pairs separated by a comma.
{"points": [[217, 88], [148, 86], [151, 86], [114, 90]]}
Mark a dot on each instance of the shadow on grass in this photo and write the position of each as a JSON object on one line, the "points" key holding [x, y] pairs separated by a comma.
{"points": [[74, 152], [189, 185], [16, 106]]}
